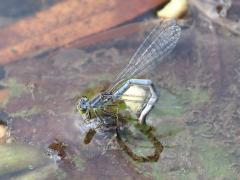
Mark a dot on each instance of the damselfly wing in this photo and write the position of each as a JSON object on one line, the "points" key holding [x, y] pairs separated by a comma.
{"points": [[157, 45]]}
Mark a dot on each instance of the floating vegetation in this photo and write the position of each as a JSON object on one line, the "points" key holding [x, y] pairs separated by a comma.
{"points": [[79, 163], [59, 148], [215, 161], [13, 89], [169, 105], [174, 105], [194, 96], [20, 158], [26, 113], [45, 172]]}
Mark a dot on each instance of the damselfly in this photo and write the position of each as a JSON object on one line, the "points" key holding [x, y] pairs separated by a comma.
{"points": [[158, 44]]}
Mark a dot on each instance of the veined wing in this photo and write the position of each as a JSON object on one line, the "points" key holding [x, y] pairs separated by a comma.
{"points": [[158, 44]]}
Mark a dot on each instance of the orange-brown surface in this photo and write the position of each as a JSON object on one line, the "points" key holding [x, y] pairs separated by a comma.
{"points": [[66, 22]]}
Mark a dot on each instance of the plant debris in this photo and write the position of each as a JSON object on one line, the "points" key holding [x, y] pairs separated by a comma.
{"points": [[58, 147]]}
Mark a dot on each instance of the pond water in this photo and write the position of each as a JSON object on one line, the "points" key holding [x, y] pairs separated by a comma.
{"points": [[195, 123]]}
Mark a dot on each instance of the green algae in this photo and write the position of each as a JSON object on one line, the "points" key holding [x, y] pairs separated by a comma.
{"points": [[157, 172], [194, 96], [19, 157], [104, 77], [16, 89], [45, 172], [169, 129], [174, 105], [181, 174], [92, 90], [215, 161], [168, 105], [60, 174], [188, 174], [26, 113], [79, 163]]}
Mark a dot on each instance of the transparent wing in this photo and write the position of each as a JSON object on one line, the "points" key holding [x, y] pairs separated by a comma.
{"points": [[158, 44]]}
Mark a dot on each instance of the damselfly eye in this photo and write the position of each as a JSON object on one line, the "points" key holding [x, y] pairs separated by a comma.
{"points": [[80, 109], [83, 105]]}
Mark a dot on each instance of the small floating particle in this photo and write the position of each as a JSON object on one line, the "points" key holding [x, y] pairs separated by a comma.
{"points": [[58, 147]]}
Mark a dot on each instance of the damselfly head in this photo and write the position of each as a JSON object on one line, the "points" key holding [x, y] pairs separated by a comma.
{"points": [[83, 105]]}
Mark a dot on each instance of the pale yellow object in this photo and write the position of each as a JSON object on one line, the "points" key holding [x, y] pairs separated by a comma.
{"points": [[3, 131], [134, 97], [174, 9]]}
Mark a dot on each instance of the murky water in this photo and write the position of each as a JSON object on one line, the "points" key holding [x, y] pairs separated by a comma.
{"points": [[200, 138]]}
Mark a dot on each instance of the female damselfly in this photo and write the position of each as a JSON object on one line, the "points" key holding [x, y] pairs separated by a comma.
{"points": [[158, 44]]}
